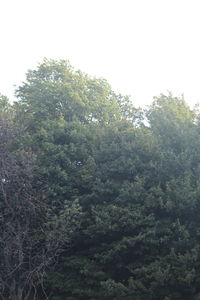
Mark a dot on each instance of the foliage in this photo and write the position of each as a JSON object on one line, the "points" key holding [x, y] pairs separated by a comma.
{"points": [[32, 233], [135, 176]]}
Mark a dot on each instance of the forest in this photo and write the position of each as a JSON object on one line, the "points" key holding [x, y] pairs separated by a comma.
{"points": [[99, 199]]}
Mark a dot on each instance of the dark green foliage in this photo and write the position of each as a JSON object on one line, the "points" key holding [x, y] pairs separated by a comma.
{"points": [[139, 239], [137, 183]]}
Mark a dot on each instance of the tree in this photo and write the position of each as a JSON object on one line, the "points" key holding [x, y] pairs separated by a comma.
{"points": [[137, 184], [31, 235], [55, 90], [64, 112], [172, 121], [140, 236]]}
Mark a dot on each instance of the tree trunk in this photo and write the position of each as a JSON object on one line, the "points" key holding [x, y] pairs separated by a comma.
{"points": [[19, 293]]}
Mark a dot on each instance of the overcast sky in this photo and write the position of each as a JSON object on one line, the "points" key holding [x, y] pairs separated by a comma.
{"points": [[142, 47]]}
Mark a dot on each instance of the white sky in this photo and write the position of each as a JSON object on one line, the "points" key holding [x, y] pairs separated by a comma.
{"points": [[142, 47]]}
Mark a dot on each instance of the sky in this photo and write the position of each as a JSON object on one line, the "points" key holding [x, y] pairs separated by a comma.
{"points": [[142, 47]]}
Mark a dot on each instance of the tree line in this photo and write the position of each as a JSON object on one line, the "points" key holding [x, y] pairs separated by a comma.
{"points": [[99, 199]]}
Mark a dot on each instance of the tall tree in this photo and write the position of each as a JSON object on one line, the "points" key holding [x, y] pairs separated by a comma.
{"points": [[32, 235], [137, 184]]}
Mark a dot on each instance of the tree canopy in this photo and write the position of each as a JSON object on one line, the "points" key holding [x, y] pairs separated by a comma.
{"points": [[118, 191]]}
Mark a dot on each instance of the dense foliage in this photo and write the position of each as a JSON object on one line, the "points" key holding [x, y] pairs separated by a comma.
{"points": [[126, 182]]}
